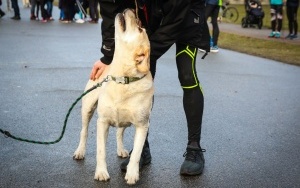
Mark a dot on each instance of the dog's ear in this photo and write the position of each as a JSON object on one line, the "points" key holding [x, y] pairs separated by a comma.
{"points": [[142, 61]]}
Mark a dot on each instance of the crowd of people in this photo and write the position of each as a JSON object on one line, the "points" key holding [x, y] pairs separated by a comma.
{"points": [[41, 10], [277, 17]]}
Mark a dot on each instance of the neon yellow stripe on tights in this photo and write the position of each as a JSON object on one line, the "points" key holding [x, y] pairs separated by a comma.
{"points": [[192, 55]]}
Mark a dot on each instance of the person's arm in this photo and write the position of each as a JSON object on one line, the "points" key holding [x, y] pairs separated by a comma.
{"points": [[108, 12], [165, 36]]}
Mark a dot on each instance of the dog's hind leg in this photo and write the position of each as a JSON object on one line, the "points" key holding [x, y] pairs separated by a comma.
{"points": [[121, 151], [101, 167], [132, 174], [89, 104]]}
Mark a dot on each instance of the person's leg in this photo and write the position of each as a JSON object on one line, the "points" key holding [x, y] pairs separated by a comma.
{"points": [[214, 21], [279, 18], [49, 8], [295, 25], [85, 6], [193, 103], [72, 10], [44, 11], [38, 9], [289, 16], [1, 13], [273, 21], [32, 9], [208, 11], [15, 6], [66, 14], [97, 10], [92, 9]]}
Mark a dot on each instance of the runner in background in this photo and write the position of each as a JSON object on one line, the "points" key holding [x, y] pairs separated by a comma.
{"points": [[276, 18]]}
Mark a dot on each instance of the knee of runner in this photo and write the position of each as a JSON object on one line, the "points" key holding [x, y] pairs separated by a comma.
{"points": [[187, 80]]}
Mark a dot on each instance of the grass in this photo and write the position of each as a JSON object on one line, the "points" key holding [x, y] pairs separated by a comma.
{"points": [[279, 51]]}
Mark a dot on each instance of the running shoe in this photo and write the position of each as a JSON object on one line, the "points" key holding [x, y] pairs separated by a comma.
{"points": [[194, 161], [289, 36], [214, 49], [16, 18], [277, 34], [294, 36], [272, 34]]}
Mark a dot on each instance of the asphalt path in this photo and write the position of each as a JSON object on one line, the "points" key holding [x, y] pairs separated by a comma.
{"points": [[251, 129]]}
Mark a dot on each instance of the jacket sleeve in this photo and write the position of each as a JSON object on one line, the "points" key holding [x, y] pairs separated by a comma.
{"points": [[108, 10], [174, 12]]}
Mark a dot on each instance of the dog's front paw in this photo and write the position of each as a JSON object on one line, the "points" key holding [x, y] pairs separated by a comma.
{"points": [[123, 153], [78, 155], [132, 177], [101, 175]]}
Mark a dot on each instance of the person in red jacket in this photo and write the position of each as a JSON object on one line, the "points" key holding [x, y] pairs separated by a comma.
{"points": [[180, 22]]}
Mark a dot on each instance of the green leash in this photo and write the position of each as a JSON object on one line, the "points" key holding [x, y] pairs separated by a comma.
{"points": [[119, 80]]}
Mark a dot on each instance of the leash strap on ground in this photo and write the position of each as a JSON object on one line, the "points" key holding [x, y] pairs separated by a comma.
{"points": [[7, 134]]}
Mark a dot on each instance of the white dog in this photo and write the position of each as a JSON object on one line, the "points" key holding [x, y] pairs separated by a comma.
{"points": [[121, 104]]}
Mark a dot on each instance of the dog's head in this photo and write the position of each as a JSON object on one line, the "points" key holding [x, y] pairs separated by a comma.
{"points": [[131, 42]]}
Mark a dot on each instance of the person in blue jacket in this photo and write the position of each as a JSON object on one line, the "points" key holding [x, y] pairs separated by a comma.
{"points": [[276, 18], [291, 12], [212, 10]]}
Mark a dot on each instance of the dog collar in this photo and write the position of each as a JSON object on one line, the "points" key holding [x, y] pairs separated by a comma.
{"points": [[123, 79]]}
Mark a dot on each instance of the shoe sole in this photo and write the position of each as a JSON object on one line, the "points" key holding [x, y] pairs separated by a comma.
{"points": [[190, 174], [200, 50]]}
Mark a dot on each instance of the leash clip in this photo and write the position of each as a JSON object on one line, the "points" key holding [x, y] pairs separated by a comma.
{"points": [[108, 78], [122, 80]]}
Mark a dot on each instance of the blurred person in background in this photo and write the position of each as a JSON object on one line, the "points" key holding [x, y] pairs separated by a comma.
{"points": [[276, 18], [212, 10], [15, 6], [291, 13]]}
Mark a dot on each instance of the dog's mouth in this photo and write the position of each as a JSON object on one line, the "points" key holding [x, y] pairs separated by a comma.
{"points": [[122, 21], [130, 16]]}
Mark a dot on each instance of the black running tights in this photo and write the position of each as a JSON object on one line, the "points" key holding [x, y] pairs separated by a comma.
{"points": [[292, 17], [193, 100]]}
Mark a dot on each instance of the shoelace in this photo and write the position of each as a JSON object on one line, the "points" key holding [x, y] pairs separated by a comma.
{"points": [[192, 155]]}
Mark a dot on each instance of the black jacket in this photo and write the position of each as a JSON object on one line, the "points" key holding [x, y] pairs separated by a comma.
{"points": [[166, 21]]}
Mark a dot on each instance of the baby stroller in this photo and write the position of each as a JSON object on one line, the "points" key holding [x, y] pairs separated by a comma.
{"points": [[254, 14]]}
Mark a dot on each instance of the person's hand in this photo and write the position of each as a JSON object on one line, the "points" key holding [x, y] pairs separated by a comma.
{"points": [[97, 70]]}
